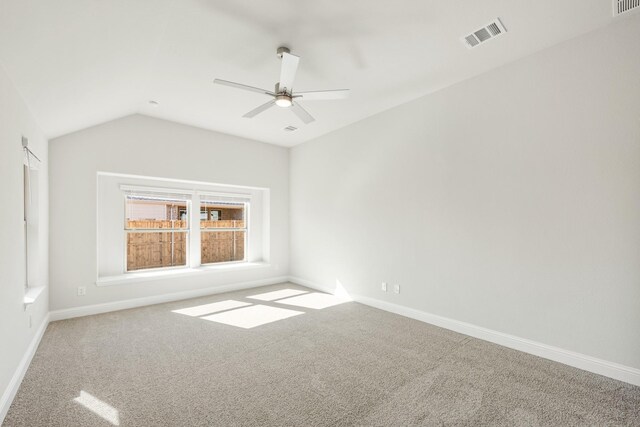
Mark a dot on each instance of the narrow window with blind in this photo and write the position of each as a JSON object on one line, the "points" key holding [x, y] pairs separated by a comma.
{"points": [[223, 229], [31, 210], [157, 230]]}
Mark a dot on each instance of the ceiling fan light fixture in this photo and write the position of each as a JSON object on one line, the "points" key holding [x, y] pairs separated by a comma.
{"points": [[283, 101], [283, 94]]}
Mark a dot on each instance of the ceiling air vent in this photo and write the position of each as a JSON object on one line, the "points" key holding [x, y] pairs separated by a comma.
{"points": [[624, 6], [290, 129], [489, 32]]}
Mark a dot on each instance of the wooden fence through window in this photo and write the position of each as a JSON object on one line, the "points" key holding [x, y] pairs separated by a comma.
{"points": [[167, 247]]}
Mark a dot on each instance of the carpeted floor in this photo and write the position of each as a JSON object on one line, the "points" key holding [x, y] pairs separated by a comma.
{"points": [[212, 361]]}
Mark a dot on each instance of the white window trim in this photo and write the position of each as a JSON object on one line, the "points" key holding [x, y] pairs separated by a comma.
{"points": [[166, 190], [30, 162], [127, 231], [246, 235], [193, 233], [223, 194], [141, 276]]}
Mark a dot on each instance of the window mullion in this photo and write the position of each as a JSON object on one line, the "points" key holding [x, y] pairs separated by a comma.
{"points": [[195, 256]]}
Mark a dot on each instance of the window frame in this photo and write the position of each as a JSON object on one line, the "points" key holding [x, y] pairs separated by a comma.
{"points": [[194, 204], [30, 215], [127, 231], [26, 205], [245, 208]]}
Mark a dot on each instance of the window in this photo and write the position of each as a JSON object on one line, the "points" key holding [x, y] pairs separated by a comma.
{"points": [[160, 224], [149, 227], [25, 211], [223, 231], [31, 216], [157, 230]]}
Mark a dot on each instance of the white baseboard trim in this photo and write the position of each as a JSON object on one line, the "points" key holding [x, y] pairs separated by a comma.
{"points": [[309, 284], [577, 360], [89, 310], [16, 380]]}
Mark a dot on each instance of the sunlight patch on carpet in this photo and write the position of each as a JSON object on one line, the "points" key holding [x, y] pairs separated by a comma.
{"points": [[250, 317], [274, 295], [201, 310], [314, 300], [98, 407]]}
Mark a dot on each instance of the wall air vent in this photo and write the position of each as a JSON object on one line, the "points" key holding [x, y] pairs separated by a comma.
{"points": [[290, 129], [489, 32], [624, 6]]}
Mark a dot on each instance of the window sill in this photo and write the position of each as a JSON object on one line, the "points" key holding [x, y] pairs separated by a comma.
{"points": [[31, 295], [178, 272]]}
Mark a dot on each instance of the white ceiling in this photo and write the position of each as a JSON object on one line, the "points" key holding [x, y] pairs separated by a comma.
{"points": [[78, 63]]}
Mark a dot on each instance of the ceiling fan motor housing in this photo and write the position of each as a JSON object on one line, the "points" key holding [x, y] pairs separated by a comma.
{"points": [[284, 100], [282, 50]]}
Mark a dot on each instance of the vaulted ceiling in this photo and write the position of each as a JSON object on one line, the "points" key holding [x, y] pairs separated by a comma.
{"points": [[78, 63]]}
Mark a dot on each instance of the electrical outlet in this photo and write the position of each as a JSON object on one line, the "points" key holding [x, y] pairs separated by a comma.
{"points": [[384, 286], [82, 290], [396, 289]]}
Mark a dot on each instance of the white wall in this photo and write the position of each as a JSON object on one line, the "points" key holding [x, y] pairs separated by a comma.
{"points": [[141, 145], [15, 333], [510, 201]]}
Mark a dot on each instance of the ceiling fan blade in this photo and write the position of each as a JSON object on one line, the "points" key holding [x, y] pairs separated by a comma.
{"points": [[288, 71], [243, 87], [260, 109], [302, 113], [318, 95]]}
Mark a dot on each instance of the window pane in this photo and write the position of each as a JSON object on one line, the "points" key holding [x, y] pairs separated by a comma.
{"points": [[156, 249], [222, 215], [222, 246], [148, 212]]}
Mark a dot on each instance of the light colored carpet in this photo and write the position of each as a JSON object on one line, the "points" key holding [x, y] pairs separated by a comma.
{"points": [[346, 364]]}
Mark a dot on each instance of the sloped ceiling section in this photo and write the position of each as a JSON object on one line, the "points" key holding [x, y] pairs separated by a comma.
{"points": [[82, 62]]}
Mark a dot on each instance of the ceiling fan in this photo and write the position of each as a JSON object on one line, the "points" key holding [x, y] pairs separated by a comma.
{"points": [[283, 95]]}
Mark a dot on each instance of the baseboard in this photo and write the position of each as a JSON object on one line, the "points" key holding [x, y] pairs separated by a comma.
{"points": [[577, 360], [89, 310], [309, 284], [16, 380]]}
